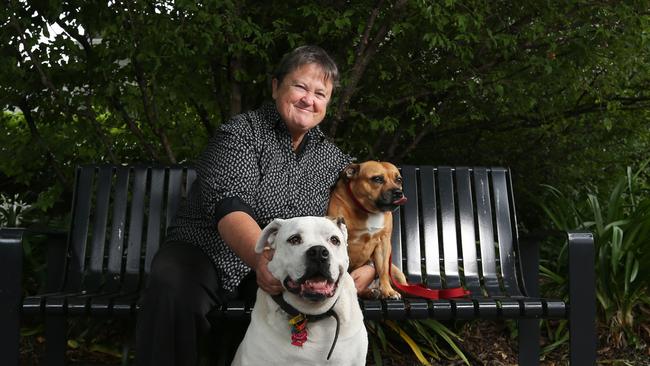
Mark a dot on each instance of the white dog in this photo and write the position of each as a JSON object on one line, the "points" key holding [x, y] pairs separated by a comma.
{"points": [[317, 319]]}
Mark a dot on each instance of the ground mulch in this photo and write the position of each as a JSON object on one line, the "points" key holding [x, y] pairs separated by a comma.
{"points": [[484, 343]]}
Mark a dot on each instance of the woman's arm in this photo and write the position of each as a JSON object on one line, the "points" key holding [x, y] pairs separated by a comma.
{"points": [[240, 232]]}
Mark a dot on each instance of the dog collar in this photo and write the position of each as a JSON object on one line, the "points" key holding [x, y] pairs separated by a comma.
{"points": [[299, 321], [355, 200]]}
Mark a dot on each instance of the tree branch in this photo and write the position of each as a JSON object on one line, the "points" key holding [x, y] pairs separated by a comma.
{"points": [[134, 128], [36, 136], [366, 49]]}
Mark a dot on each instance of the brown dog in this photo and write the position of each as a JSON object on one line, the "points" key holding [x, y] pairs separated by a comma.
{"points": [[365, 195]]}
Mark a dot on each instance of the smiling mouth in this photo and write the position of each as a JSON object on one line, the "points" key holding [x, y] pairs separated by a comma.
{"points": [[314, 288]]}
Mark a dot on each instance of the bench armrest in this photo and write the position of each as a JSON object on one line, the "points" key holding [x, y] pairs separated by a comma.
{"points": [[11, 273], [582, 295]]}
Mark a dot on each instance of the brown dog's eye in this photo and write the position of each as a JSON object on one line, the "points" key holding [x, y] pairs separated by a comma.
{"points": [[335, 240], [377, 179], [295, 239], [399, 180]]}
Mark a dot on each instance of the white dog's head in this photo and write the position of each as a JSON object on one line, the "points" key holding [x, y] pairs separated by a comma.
{"points": [[311, 256]]}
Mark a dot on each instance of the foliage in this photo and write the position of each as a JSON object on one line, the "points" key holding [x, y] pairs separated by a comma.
{"points": [[421, 337], [620, 221], [525, 85], [556, 90], [13, 210]]}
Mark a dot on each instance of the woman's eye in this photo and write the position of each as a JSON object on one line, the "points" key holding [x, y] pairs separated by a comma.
{"points": [[294, 239], [335, 240]]}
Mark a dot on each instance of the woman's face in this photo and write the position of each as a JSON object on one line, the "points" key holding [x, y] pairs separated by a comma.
{"points": [[302, 99]]}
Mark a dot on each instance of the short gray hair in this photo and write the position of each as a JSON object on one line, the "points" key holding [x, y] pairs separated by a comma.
{"points": [[304, 55]]}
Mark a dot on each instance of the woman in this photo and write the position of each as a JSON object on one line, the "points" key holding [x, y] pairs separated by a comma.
{"points": [[268, 163]]}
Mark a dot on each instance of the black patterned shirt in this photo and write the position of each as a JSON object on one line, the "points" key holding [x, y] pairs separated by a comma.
{"points": [[249, 166]]}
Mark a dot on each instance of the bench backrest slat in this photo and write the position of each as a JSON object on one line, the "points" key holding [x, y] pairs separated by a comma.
{"points": [[100, 222], [486, 231], [413, 270], [79, 230], [448, 222], [504, 227], [467, 229], [430, 236], [136, 225], [156, 189], [118, 227], [396, 242], [173, 192]]}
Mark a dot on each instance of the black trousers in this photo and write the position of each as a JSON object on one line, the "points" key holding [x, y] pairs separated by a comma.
{"points": [[182, 289]]}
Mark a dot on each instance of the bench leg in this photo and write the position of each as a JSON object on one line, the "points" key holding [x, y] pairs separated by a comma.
{"points": [[56, 328], [582, 299], [528, 341], [529, 328], [11, 269]]}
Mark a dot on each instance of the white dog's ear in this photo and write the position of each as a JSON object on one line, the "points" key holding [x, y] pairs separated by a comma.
{"points": [[267, 237], [340, 222]]}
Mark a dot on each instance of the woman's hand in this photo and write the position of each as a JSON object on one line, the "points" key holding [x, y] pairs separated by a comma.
{"points": [[363, 276], [265, 279]]}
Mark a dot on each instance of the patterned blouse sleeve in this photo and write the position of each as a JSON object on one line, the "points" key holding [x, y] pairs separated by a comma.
{"points": [[227, 170]]}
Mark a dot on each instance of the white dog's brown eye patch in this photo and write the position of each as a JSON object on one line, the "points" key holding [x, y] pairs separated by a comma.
{"points": [[295, 239]]}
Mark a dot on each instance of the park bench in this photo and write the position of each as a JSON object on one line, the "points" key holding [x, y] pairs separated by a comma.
{"points": [[458, 228]]}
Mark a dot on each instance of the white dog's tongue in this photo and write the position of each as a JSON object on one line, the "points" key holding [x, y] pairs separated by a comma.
{"points": [[320, 286]]}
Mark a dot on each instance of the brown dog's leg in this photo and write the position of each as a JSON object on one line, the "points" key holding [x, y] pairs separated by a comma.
{"points": [[381, 258]]}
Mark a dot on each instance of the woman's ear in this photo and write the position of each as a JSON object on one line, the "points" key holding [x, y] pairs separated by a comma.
{"points": [[267, 237]]}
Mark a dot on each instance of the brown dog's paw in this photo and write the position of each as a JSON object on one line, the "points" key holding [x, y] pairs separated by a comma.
{"points": [[390, 294]]}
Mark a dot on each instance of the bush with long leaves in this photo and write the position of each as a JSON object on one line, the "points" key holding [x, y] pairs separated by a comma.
{"points": [[421, 336], [620, 221]]}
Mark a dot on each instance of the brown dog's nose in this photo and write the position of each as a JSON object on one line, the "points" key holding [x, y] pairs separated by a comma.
{"points": [[397, 194], [318, 253]]}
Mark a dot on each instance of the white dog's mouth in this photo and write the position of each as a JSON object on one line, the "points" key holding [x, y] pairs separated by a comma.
{"points": [[314, 289]]}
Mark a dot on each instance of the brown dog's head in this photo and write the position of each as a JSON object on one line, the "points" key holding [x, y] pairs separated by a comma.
{"points": [[377, 185]]}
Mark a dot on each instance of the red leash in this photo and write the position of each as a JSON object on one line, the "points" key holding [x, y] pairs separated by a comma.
{"points": [[419, 290]]}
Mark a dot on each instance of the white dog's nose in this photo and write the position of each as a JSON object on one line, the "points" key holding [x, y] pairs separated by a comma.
{"points": [[318, 253]]}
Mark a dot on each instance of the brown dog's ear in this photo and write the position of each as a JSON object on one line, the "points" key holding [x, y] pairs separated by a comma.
{"points": [[349, 172]]}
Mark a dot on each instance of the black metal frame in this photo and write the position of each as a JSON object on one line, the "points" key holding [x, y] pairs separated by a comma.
{"points": [[457, 228]]}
